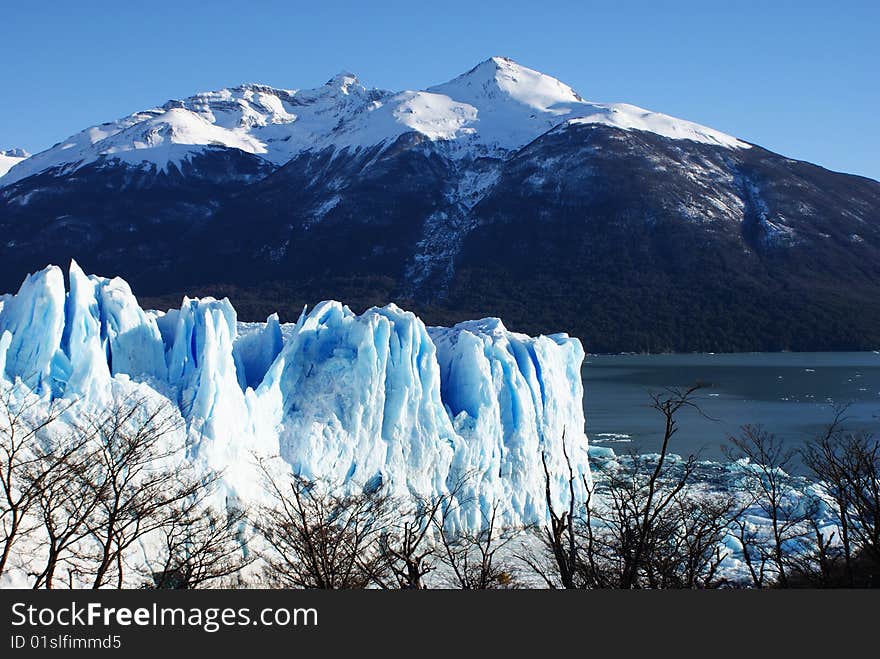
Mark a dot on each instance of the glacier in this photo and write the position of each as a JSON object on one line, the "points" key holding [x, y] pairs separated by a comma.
{"points": [[355, 400]]}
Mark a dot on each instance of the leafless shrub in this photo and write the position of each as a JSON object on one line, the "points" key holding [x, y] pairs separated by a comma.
{"points": [[200, 547], [24, 469], [847, 466], [648, 526], [64, 480], [138, 483], [768, 482], [407, 547], [476, 560], [320, 539]]}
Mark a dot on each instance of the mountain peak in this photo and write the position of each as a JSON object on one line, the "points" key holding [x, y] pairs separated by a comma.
{"points": [[497, 62], [345, 82], [503, 63], [501, 77]]}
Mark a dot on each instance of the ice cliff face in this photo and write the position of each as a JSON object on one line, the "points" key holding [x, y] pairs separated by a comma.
{"points": [[354, 399]]}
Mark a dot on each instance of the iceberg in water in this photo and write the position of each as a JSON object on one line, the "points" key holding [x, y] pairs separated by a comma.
{"points": [[354, 399]]}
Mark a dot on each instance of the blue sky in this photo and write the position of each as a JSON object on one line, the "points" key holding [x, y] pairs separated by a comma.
{"points": [[800, 78]]}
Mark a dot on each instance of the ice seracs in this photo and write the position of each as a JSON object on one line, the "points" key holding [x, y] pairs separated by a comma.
{"points": [[34, 321], [494, 109], [356, 400], [514, 398]]}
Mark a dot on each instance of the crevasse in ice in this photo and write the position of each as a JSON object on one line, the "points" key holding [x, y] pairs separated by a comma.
{"points": [[357, 400]]}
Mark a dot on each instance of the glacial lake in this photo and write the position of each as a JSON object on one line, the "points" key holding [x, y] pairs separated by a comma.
{"points": [[790, 394]]}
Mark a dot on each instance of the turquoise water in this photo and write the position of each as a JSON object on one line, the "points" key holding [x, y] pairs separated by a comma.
{"points": [[792, 395]]}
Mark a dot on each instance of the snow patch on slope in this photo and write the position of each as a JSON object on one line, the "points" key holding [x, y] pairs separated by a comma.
{"points": [[631, 117], [436, 116], [11, 157]]}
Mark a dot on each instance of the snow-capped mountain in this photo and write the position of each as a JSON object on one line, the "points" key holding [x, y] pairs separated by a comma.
{"points": [[496, 107], [501, 192]]}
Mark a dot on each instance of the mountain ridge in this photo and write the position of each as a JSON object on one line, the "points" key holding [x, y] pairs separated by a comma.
{"points": [[505, 105]]}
